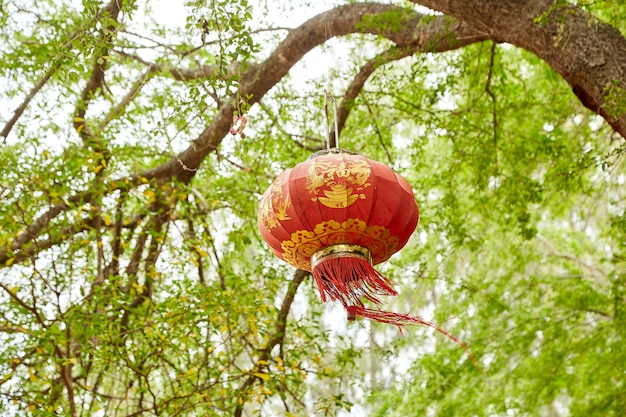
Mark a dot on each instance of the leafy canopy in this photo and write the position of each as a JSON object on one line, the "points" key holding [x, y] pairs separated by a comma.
{"points": [[134, 280]]}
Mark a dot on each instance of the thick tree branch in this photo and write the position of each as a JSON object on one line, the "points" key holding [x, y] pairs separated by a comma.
{"points": [[19, 250], [589, 54], [32, 231], [438, 34]]}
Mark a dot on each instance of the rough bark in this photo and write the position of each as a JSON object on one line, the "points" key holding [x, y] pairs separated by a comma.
{"points": [[588, 53]]}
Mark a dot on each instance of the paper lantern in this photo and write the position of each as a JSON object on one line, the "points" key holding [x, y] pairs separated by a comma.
{"points": [[338, 214]]}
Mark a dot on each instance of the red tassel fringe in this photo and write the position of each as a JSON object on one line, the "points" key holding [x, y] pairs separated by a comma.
{"points": [[347, 279], [402, 320]]}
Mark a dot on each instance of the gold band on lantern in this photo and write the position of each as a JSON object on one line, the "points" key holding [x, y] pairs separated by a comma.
{"points": [[339, 251]]}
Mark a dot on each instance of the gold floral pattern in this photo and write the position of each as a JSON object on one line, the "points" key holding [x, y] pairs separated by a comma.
{"points": [[274, 203], [303, 243]]}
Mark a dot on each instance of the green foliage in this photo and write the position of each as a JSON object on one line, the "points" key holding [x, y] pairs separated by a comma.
{"points": [[512, 200], [616, 100], [392, 21], [133, 284]]}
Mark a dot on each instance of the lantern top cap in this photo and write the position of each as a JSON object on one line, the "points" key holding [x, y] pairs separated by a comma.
{"points": [[333, 151]]}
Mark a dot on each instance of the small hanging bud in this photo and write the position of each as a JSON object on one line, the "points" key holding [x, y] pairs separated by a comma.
{"points": [[233, 128], [237, 126]]}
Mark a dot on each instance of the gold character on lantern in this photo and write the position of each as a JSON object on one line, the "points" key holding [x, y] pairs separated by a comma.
{"points": [[334, 179]]}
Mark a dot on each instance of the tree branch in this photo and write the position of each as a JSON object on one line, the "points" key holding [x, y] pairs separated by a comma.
{"points": [[343, 110], [119, 108], [22, 107], [553, 251], [277, 338], [188, 74], [155, 230], [96, 80], [67, 46], [588, 53], [438, 35], [494, 113]]}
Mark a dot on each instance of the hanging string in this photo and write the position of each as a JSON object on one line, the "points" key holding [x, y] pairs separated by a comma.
{"points": [[336, 121], [329, 97], [327, 120]]}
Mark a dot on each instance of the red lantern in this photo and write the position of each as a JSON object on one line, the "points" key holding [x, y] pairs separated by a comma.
{"points": [[338, 214]]}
